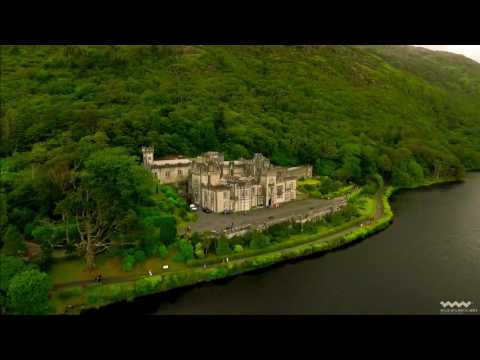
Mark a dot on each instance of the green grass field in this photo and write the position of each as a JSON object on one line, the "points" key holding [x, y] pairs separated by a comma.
{"points": [[69, 270]]}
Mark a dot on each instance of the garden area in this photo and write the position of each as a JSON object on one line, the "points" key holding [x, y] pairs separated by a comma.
{"points": [[323, 187]]}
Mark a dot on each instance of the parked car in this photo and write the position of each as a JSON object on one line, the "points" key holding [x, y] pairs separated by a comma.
{"points": [[193, 207], [165, 267]]}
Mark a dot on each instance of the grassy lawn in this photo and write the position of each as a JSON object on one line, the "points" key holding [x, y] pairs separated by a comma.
{"points": [[310, 188], [67, 270], [310, 181], [367, 206]]}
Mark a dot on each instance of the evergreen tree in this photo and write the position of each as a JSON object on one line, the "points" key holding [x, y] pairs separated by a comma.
{"points": [[168, 229]]}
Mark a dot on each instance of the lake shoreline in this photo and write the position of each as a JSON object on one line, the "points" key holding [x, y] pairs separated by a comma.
{"points": [[338, 241]]}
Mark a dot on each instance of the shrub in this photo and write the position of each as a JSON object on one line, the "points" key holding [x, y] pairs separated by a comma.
{"points": [[199, 251], [162, 251], [259, 240], [13, 242], [28, 293], [195, 238], [139, 256], [144, 287], [222, 247], [370, 188], [128, 263], [9, 267], [218, 273], [185, 251], [238, 248]]}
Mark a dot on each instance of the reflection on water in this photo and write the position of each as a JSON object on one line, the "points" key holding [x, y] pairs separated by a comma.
{"points": [[431, 253]]}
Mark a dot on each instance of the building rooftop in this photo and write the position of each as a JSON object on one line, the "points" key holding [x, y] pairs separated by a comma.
{"points": [[176, 161]]}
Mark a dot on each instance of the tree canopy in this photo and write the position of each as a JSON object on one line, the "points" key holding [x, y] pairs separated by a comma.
{"points": [[28, 293]]}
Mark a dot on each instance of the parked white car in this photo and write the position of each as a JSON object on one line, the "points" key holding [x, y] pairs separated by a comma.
{"points": [[165, 267], [193, 207]]}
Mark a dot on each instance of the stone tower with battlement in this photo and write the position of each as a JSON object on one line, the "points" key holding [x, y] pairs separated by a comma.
{"points": [[147, 152]]}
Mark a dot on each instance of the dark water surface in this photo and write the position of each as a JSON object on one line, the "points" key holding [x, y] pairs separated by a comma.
{"points": [[431, 253]]}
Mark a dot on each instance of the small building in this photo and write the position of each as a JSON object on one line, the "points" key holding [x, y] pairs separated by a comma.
{"points": [[167, 171]]}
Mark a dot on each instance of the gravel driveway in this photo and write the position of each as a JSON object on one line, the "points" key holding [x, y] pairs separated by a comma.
{"points": [[219, 222]]}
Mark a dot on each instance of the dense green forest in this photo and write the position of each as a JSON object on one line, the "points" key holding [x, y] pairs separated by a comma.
{"points": [[73, 120]]}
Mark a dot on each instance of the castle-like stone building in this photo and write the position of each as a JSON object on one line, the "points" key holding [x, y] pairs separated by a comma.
{"points": [[168, 171], [229, 186]]}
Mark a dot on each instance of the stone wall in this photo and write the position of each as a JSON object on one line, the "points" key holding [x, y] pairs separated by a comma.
{"points": [[171, 174], [313, 215], [300, 171]]}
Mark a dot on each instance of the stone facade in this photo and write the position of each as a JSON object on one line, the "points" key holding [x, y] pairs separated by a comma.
{"points": [[167, 171], [229, 186]]}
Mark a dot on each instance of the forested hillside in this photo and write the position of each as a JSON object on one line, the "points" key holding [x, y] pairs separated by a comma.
{"points": [[73, 119]]}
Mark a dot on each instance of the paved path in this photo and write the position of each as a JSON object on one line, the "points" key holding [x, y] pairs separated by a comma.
{"points": [[112, 280], [219, 222]]}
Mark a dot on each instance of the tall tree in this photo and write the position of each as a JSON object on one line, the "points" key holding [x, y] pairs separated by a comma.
{"points": [[110, 186], [168, 229]]}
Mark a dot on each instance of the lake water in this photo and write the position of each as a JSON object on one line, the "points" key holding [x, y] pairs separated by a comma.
{"points": [[431, 253]]}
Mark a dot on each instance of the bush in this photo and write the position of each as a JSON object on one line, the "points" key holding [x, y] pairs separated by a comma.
{"points": [[162, 251], [218, 273], [195, 238], [139, 256], [9, 267], [222, 247], [13, 242], [199, 251], [185, 251], [144, 287], [238, 248], [370, 188], [128, 263], [28, 293], [259, 240]]}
